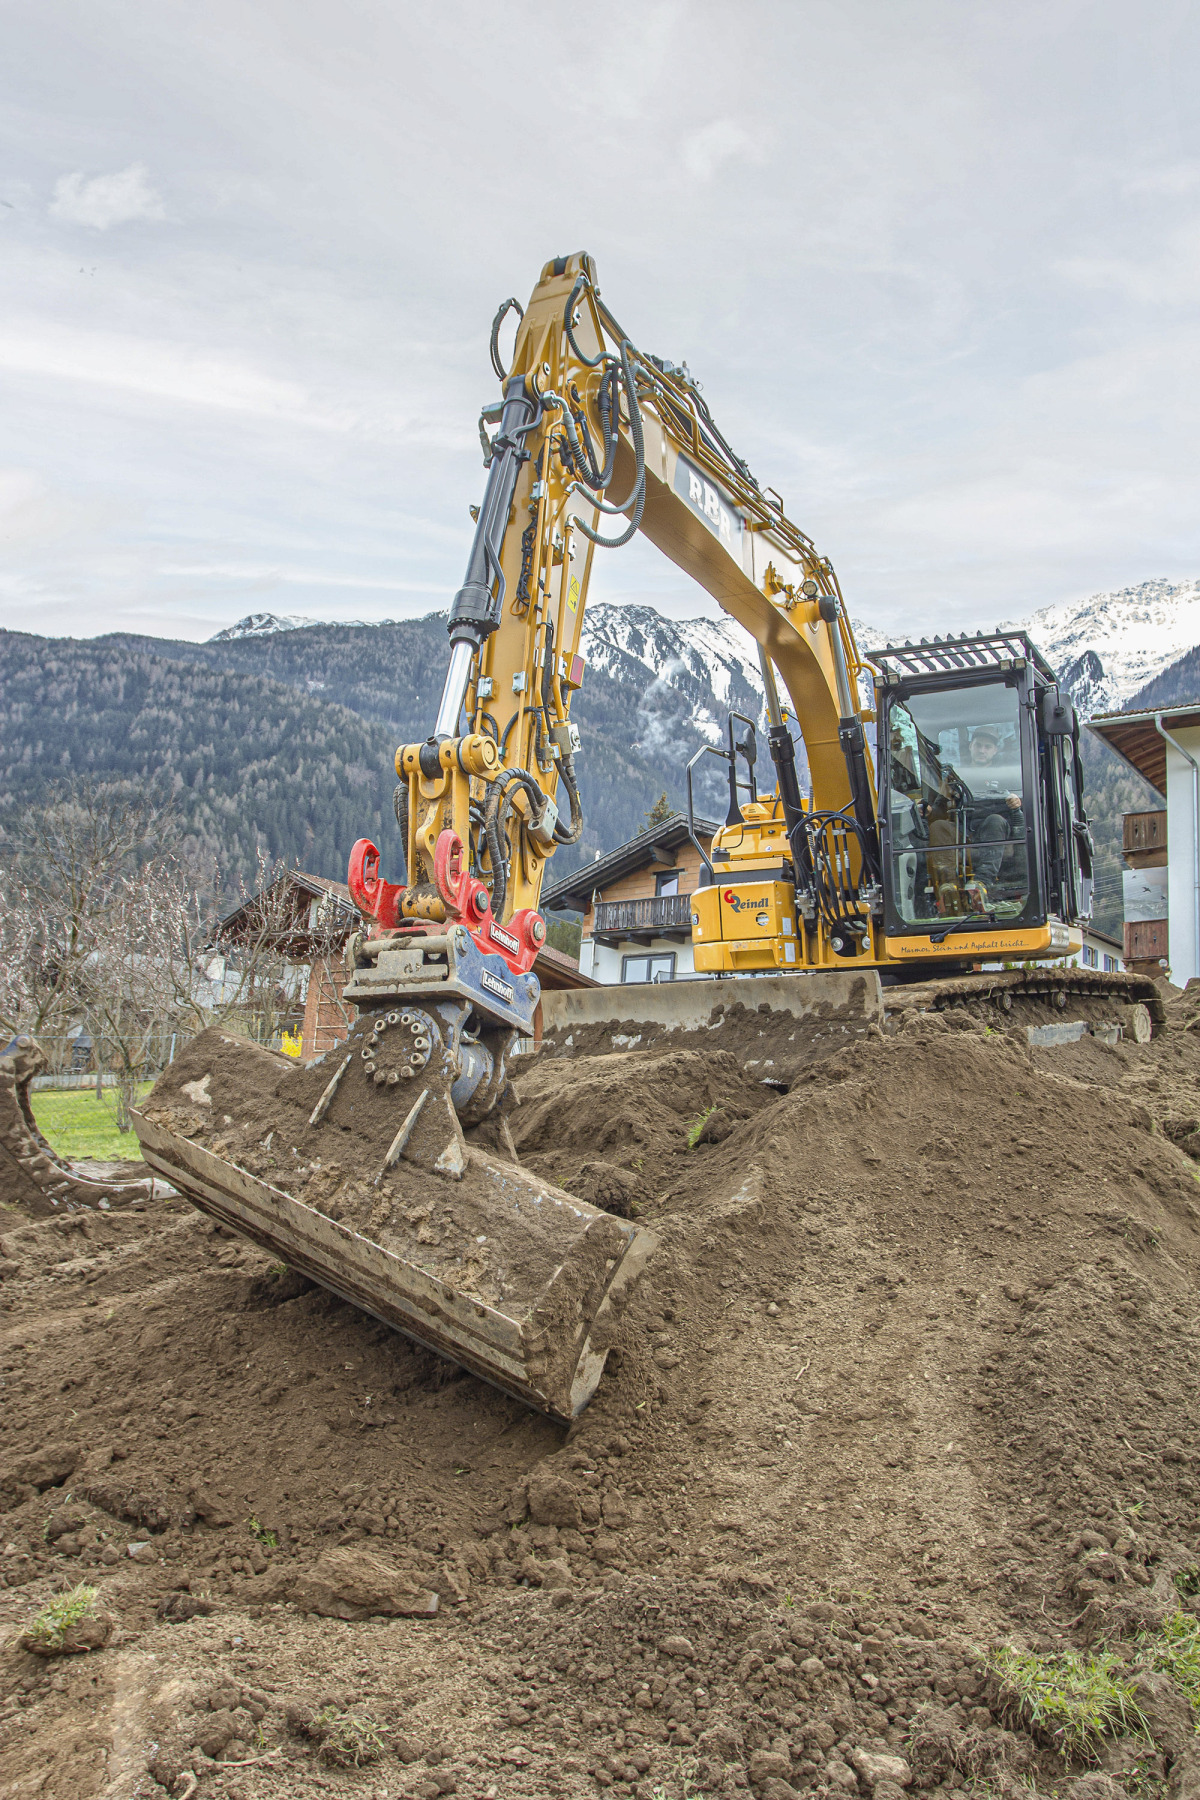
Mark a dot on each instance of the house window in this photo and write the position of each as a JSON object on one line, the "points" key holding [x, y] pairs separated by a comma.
{"points": [[666, 882], [1110, 964], [1089, 957], [659, 967]]}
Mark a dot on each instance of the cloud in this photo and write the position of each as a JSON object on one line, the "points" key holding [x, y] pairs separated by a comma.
{"points": [[106, 200], [1168, 277], [34, 515], [1170, 180], [284, 575], [158, 371], [941, 330], [705, 150]]}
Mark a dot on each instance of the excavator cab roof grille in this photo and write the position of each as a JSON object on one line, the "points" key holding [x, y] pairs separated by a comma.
{"points": [[942, 655]]}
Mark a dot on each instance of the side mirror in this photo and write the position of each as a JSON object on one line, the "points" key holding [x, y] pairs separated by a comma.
{"points": [[1056, 713]]}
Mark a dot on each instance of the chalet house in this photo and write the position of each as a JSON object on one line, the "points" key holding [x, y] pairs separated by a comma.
{"points": [[636, 904], [1100, 952], [303, 921]]}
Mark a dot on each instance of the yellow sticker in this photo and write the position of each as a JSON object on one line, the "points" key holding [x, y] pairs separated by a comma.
{"points": [[573, 593]]}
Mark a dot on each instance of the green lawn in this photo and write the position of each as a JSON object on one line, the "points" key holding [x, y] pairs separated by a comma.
{"points": [[77, 1124]]}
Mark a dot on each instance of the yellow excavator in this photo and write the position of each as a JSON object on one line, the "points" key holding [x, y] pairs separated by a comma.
{"points": [[968, 845]]}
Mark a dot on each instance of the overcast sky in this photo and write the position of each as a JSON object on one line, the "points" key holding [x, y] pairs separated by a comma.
{"points": [[936, 265]]}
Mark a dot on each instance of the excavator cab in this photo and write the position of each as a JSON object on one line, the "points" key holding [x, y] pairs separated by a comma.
{"points": [[966, 840], [981, 820]]}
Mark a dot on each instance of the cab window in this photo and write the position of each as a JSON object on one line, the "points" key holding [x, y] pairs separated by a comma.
{"points": [[954, 783]]}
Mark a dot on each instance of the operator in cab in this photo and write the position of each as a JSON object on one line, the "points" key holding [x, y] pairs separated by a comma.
{"points": [[992, 827], [986, 810]]}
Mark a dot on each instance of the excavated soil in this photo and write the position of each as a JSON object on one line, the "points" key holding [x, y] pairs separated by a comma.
{"points": [[913, 1371]]}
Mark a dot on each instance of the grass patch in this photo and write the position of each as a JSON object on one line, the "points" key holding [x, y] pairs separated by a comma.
{"points": [[75, 1123], [267, 1538], [1071, 1700], [697, 1126], [347, 1740], [683, 1785], [1175, 1648], [52, 1624]]}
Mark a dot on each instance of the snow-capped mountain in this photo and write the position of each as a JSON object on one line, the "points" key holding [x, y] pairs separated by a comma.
{"points": [[261, 625], [711, 664], [1107, 647]]}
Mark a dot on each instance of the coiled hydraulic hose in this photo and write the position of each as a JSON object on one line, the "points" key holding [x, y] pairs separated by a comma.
{"points": [[400, 808], [497, 808], [512, 304]]}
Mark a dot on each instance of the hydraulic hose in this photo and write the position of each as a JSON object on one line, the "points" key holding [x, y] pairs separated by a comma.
{"points": [[639, 447], [616, 542], [589, 362], [512, 304], [572, 833], [400, 808], [497, 808]]}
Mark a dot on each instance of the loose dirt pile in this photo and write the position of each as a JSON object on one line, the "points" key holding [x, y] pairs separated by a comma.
{"points": [[913, 1372]]}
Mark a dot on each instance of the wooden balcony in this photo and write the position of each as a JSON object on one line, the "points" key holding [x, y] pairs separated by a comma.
{"points": [[1146, 943], [1145, 839], [669, 915]]}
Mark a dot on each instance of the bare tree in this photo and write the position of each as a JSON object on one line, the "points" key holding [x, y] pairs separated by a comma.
{"points": [[68, 860], [143, 975], [101, 921]]}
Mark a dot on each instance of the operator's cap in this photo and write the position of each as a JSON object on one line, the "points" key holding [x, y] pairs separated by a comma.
{"points": [[991, 732]]}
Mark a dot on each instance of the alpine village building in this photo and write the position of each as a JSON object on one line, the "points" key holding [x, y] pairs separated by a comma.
{"points": [[636, 904]]}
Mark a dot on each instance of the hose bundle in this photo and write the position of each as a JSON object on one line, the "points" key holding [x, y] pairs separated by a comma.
{"points": [[578, 454]]}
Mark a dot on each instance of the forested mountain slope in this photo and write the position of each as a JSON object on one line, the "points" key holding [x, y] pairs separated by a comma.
{"points": [[282, 740], [249, 763], [260, 750]]}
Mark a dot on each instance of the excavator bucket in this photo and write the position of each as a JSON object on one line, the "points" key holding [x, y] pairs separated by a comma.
{"points": [[355, 1171], [34, 1179]]}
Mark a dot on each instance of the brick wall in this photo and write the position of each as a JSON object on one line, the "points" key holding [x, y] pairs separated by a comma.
{"points": [[325, 1016]]}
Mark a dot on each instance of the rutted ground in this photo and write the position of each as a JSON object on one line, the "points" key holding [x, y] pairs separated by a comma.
{"points": [[914, 1371]]}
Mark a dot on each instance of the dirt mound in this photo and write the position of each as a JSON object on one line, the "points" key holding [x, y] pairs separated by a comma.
{"points": [[914, 1371]]}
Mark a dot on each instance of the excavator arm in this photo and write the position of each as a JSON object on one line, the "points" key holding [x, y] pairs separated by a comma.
{"points": [[593, 441]]}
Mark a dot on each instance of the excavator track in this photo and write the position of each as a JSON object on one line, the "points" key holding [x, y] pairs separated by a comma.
{"points": [[33, 1178], [1035, 996]]}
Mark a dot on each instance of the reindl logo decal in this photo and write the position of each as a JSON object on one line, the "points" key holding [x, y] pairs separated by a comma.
{"points": [[750, 903]]}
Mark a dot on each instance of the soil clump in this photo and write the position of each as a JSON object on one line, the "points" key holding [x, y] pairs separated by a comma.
{"points": [[913, 1373]]}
